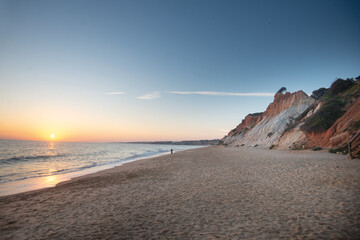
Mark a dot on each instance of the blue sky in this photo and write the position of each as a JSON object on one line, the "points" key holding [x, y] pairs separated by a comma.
{"points": [[59, 59]]}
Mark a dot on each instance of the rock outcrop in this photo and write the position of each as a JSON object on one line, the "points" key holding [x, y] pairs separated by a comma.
{"points": [[338, 133], [297, 121], [266, 129]]}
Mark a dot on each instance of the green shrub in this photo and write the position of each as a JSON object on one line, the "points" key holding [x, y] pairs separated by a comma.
{"points": [[317, 94], [340, 85], [324, 117], [281, 90], [355, 125], [272, 146], [352, 91], [343, 150], [317, 149]]}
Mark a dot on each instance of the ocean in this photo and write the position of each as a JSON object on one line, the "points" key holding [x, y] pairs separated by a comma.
{"points": [[30, 165]]}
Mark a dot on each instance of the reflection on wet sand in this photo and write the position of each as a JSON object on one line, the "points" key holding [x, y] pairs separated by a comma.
{"points": [[51, 179], [31, 184]]}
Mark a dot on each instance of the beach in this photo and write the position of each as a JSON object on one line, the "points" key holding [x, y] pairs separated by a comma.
{"points": [[206, 193]]}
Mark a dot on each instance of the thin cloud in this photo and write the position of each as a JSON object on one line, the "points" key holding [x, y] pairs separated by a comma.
{"points": [[224, 94], [149, 96], [114, 93]]}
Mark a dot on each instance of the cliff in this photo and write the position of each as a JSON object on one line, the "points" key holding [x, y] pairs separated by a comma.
{"points": [[340, 131], [265, 129], [297, 121]]}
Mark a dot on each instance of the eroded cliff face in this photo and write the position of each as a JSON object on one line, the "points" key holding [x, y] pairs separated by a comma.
{"points": [[295, 138], [266, 129], [338, 133], [246, 124], [287, 100], [286, 122]]}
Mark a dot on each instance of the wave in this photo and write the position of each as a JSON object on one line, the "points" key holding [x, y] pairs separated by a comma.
{"points": [[147, 153], [39, 173], [27, 158], [46, 173], [93, 154]]}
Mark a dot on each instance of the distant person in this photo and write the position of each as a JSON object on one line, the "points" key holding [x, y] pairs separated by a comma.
{"points": [[171, 151]]}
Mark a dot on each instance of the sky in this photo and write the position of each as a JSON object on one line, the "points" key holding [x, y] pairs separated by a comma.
{"points": [[163, 70]]}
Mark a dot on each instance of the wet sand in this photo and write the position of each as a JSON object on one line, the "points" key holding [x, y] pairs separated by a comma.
{"points": [[207, 193]]}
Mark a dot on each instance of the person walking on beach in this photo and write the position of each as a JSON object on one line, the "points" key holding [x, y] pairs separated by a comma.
{"points": [[171, 151]]}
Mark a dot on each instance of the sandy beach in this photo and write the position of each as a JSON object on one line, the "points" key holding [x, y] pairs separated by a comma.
{"points": [[207, 193]]}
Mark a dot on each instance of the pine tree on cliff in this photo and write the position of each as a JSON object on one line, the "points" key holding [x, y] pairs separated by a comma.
{"points": [[281, 90]]}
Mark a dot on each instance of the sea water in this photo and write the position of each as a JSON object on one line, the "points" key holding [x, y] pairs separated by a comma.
{"points": [[30, 165]]}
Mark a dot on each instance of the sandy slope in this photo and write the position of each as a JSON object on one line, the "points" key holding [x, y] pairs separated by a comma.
{"points": [[207, 193]]}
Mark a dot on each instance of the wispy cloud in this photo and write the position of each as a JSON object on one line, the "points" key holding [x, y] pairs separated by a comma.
{"points": [[150, 96], [114, 93], [224, 94]]}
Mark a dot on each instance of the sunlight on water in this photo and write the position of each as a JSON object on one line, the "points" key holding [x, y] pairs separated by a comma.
{"points": [[51, 179], [27, 165]]}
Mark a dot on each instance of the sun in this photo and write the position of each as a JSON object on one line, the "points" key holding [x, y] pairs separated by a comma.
{"points": [[52, 135]]}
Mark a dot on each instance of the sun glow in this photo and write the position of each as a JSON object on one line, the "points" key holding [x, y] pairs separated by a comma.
{"points": [[50, 178], [52, 135]]}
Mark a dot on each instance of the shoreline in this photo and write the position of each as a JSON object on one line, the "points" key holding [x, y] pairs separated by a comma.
{"points": [[40, 183], [117, 168], [212, 192]]}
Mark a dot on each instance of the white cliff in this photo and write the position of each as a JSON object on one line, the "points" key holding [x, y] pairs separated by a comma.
{"points": [[266, 129]]}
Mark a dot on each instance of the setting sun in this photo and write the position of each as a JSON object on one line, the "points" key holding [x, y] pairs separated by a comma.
{"points": [[52, 135]]}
